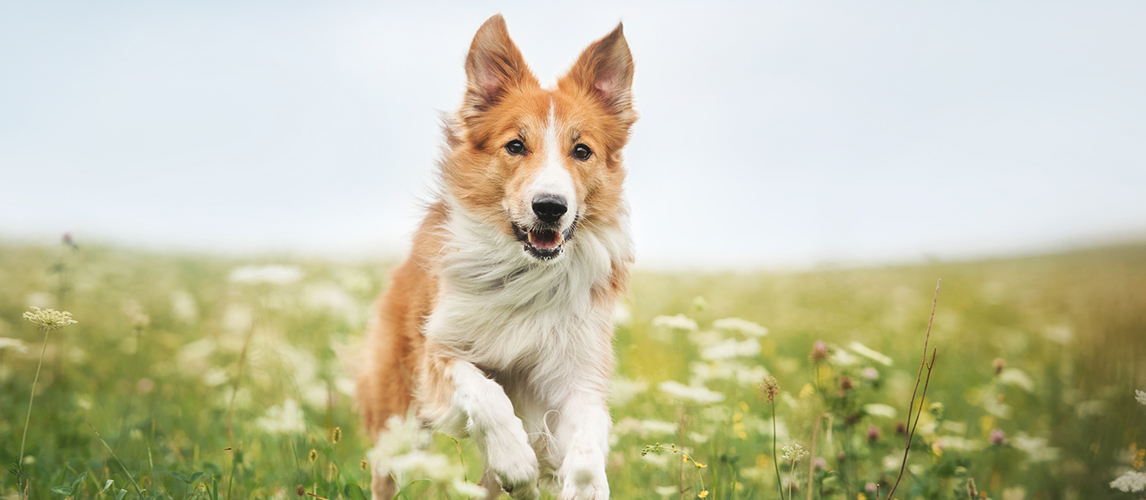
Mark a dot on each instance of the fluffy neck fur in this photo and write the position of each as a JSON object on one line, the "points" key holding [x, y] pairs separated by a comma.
{"points": [[500, 308]]}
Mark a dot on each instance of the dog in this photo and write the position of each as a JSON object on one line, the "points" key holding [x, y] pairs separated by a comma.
{"points": [[499, 324]]}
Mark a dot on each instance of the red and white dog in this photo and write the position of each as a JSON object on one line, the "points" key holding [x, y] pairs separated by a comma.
{"points": [[499, 324]]}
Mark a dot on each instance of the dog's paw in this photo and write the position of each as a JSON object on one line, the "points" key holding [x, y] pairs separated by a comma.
{"points": [[513, 460], [584, 480]]}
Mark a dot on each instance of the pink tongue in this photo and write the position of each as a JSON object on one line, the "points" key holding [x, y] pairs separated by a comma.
{"points": [[543, 239]]}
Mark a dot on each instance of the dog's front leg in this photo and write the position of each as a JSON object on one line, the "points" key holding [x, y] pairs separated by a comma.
{"points": [[583, 435], [489, 418]]}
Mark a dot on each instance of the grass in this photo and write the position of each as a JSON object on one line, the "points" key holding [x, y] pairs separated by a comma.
{"points": [[191, 379]]}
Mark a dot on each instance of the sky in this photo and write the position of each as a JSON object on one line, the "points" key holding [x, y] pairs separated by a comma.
{"points": [[772, 134]]}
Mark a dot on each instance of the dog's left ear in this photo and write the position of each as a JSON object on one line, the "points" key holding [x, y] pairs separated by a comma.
{"points": [[605, 70]]}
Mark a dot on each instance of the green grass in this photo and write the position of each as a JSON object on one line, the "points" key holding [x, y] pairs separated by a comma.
{"points": [[166, 342]]}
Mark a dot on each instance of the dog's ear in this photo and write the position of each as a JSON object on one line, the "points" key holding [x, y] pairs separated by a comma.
{"points": [[605, 70], [494, 66]]}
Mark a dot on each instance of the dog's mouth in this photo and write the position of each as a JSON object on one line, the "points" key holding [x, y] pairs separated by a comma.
{"points": [[543, 243]]}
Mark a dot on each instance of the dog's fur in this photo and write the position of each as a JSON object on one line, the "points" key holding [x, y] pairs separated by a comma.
{"points": [[499, 324]]}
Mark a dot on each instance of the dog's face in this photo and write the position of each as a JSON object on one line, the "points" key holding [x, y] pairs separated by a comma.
{"points": [[539, 163]]}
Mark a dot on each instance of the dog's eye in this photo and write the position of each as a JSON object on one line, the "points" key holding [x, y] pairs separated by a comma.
{"points": [[515, 147], [582, 152]]}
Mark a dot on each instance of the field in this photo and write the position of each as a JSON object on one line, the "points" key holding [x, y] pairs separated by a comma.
{"points": [[216, 377]]}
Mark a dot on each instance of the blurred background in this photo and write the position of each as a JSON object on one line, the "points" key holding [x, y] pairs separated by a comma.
{"points": [[774, 134]]}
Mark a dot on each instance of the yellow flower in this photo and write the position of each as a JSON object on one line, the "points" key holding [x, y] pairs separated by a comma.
{"points": [[699, 465], [313, 455], [337, 435], [807, 391], [702, 494], [823, 374]]}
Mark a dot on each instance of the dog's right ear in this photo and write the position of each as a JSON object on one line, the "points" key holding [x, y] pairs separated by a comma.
{"points": [[494, 66]]}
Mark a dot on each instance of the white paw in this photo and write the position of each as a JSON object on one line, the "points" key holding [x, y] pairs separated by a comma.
{"points": [[584, 479], [509, 455]]}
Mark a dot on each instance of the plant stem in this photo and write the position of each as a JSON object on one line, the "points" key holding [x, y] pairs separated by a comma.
{"points": [[681, 430], [791, 477], [238, 380], [105, 445], [922, 364], [31, 399], [775, 457]]}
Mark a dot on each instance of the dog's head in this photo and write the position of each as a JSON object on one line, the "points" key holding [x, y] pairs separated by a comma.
{"points": [[539, 163]]}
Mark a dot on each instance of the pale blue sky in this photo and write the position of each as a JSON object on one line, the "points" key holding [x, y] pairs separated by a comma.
{"points": [[772, 134]]}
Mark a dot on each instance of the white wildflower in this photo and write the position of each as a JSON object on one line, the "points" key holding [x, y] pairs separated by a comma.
{"points": [[731, 348], [705, 337], [742, 326], [13, 344], [49, 319], [955, 427], [1036, 448], [194, 358], [726, 370], [215, 377], [285, 419], [678, 322], [237, 320], [892, 462], [1140, 396], [643, 428], [961, 444], [701, 395], [401, 435], [869, 353], [843, 358], [1017, 377], [793, 452], [402, 450], [1016, 493], [623, 390], [345, 385], [1130, 482], [331, 298], [468, 490], [880, 410], [422, 464], [995, 407], [274, 274]]}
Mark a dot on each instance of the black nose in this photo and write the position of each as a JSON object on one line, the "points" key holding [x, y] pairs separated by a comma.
{"points": [[549, 208]]}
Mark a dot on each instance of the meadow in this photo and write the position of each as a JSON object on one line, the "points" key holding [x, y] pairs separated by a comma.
{"points": [[190, 376]]}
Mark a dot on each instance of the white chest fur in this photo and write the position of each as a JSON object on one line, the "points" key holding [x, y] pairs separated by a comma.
{"points": [[504, 310]]}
